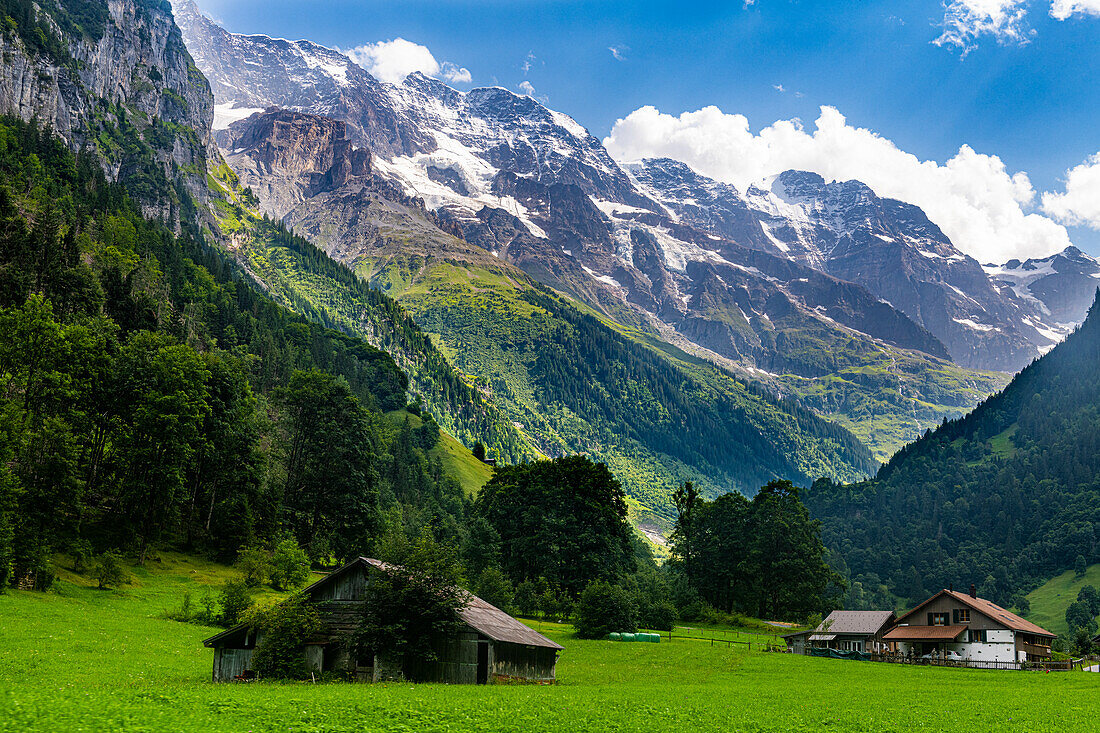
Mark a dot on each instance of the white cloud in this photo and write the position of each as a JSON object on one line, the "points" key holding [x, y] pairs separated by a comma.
{"points": [[392, 61], [527, 88], [528, 62], [1064, 9], [456, 74], [1080, 204], [964, 21], [779, 88], [983, 208], [618, 52]]}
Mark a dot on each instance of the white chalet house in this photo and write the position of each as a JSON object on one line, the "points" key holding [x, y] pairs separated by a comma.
{"points": [[976, 629]]}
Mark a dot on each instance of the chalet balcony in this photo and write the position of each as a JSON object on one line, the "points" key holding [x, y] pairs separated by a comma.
{"points": [[1035, 650]]}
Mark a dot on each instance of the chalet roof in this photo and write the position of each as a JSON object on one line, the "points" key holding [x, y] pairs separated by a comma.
{"points": [[867, 623], [924, 633], [995, 612], [480, 615], [988, 608]]}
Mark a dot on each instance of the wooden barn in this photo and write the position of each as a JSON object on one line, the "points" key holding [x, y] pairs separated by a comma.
{"points": [[493, 646]]}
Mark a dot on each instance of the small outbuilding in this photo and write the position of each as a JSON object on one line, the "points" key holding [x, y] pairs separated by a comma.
{"points": [[847, 631], [493, 646]]}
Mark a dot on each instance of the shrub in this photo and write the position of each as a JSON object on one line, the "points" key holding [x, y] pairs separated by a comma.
{"points": [[604, 608], [185, 612], [109, 571], [556, 605], [254, 564], [526, 599], [289, 565], [492, 585], [1080, 616], [1091, 598], [235, 602], [283, 629], [83, 557], [660, 616]]}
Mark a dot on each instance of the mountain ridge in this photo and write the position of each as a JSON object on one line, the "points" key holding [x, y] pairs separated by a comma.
{"points": [[496, 325], [572, 221]]}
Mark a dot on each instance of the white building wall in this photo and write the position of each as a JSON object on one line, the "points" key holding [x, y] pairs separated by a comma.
{"points": [[999, 646]]}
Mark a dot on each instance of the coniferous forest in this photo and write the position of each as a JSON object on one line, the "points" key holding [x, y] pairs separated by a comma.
{"points": [[151, 396], [1004, 498]]}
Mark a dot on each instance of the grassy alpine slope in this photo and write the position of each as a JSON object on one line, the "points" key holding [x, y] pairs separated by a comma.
{"points": [[1050, 600], [81, 659], [302, 278]]}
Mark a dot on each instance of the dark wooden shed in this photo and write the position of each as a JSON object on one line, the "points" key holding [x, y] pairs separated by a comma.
{"points": [[493, 646]]}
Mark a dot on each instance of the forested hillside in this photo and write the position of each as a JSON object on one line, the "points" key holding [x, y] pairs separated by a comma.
{"points": [[151, 395], [1005, 498], [298, 275]]}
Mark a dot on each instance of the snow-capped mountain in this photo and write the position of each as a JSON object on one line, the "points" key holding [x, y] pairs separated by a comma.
{"points": [[530, 187], [488, 159], [888, 246], [1061, 286], [250, 73]]}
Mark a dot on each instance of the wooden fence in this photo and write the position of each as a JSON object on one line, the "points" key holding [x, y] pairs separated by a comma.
{"points": [[1051, 665], [764, 643]]}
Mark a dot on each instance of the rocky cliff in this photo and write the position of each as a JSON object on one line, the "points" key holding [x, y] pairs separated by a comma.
{"points": [[114, 77]]}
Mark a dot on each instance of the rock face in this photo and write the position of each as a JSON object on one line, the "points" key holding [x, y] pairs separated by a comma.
{"points": [[127, 88], [287, 157], [306, 172]]}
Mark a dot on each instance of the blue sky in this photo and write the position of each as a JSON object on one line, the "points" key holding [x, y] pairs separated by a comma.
{"points": [[1017, 83]]}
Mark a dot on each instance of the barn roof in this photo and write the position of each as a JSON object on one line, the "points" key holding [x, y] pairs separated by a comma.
{"points": [[478, 614]]}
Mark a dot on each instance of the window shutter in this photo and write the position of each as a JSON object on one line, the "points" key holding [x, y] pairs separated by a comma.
{"points": [[930, 622], [954, 615]]}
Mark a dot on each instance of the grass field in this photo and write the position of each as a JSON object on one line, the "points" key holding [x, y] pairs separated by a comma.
{"points": [[78, 659], [1050, 600]]}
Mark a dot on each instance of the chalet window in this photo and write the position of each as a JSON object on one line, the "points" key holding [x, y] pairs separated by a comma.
{"points": [[977, 636], [964, 615], [938, 619]]}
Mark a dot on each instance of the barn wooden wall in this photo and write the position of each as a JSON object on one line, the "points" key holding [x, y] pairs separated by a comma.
{"points": [[510, 661], [230, 663]]}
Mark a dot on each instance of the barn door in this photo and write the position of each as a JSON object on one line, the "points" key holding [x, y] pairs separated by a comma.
{"points": [[482, 662]]}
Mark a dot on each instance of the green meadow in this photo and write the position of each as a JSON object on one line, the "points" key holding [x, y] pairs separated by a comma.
{"points": [[80, 659], [1050, 600]]}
